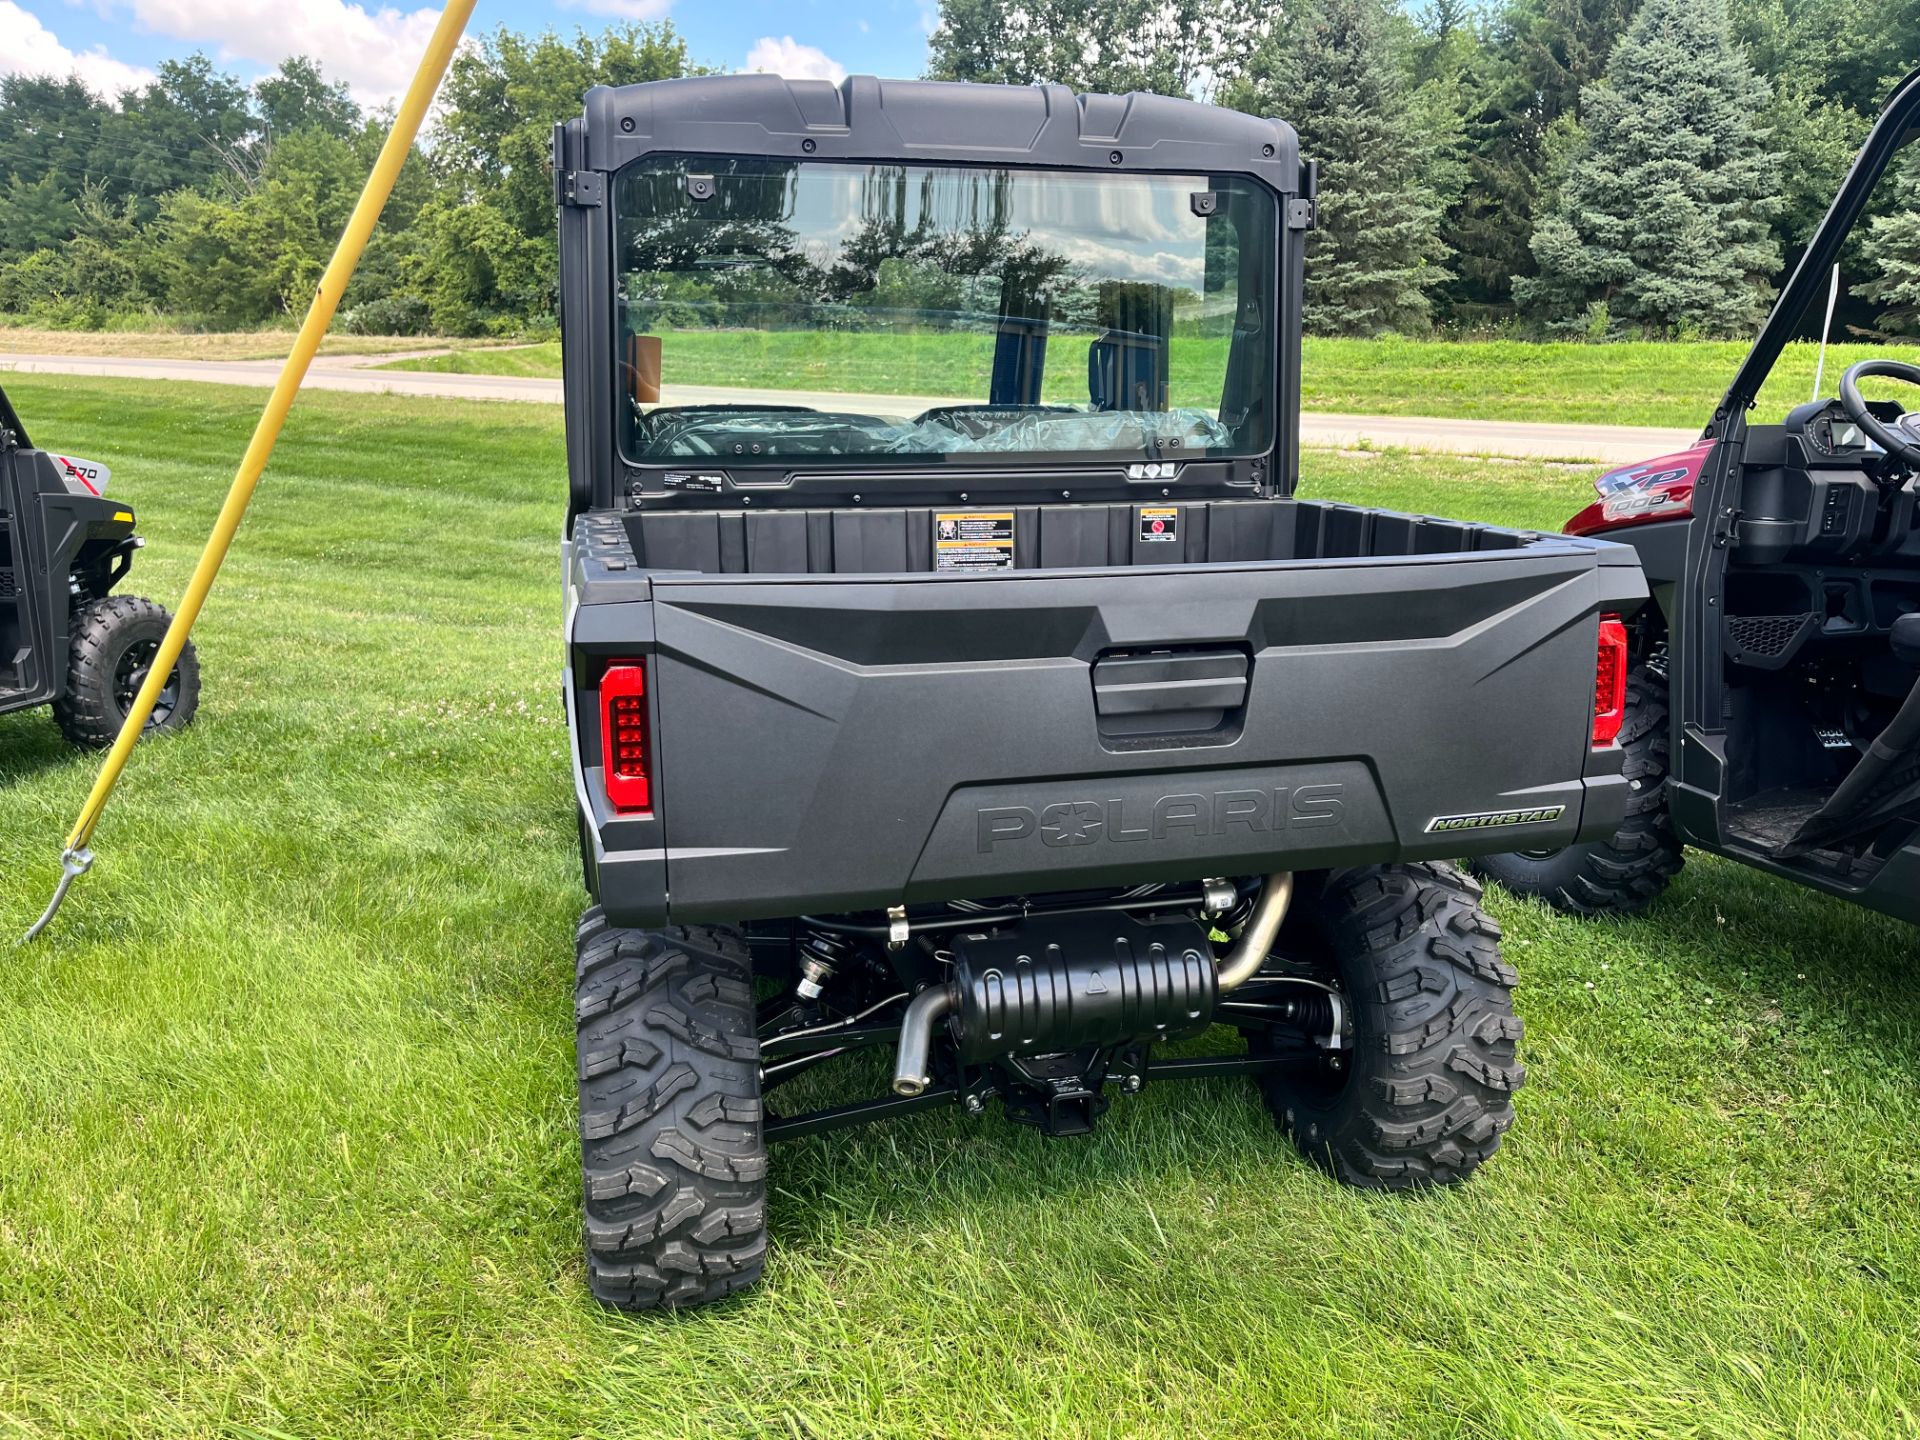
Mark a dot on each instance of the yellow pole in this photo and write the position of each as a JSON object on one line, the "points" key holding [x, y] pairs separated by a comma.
{"points": [[346, 258]]}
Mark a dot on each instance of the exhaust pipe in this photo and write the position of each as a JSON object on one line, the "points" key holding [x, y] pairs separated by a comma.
{"points": [[1258, 934], [932, 1006], [924, 1011]]}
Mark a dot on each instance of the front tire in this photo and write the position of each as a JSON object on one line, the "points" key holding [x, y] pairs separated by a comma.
{"points": [[113, 644], [1625, 875], [673, 1160], [1424, 1091]]}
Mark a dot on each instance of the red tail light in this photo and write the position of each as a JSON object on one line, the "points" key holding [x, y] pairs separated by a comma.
{"points": [[623, 736], [1610, 682]]}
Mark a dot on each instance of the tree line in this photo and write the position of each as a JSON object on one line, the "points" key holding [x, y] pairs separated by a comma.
{"points": [[205, 201], [1583, 167]]}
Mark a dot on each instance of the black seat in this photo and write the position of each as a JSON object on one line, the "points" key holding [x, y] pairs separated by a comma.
{"points": [[1906, 639]]}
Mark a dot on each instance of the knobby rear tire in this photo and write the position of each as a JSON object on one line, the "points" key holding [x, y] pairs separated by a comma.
{"points": [[673, 1157], [1425, 1091]]}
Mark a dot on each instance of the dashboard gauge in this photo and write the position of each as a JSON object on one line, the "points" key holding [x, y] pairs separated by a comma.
{"points": [[1829, 432]]}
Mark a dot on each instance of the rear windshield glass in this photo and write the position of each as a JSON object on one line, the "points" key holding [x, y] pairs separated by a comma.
{"points": [[771, 312]]}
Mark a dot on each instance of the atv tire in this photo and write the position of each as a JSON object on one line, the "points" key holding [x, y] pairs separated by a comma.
{"points": [[1424, 1089], [1625, 875], [114, 641], [674, 1161]]}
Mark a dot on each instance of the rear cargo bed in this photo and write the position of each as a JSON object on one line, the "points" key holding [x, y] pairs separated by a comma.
{"points": [[905, 539], [836, 726]]}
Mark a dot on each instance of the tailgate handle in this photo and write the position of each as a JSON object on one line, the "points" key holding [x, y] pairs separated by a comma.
{"points": [[1195, 687]]}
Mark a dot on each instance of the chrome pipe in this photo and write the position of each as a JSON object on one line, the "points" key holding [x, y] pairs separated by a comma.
{"points": [[1258, 934], [924, 1012]]}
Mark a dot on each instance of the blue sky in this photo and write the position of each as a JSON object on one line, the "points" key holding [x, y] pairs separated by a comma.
{"points": [[372, 45]]}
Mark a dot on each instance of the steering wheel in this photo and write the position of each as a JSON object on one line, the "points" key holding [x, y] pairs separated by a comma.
{"points": [[1901, 438]]}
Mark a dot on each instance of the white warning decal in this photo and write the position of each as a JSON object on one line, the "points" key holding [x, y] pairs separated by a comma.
{"points": [[973, 540]]}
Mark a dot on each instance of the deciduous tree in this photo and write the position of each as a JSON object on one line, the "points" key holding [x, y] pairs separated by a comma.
{"points": [[298, 97], [1168, 47]]}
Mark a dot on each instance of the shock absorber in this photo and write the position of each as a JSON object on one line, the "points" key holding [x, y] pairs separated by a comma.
{"points": [[822, 956]]}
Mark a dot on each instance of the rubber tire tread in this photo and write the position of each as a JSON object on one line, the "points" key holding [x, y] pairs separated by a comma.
{"points": [[673, 1158], [101, 632], [1434, 1060]]}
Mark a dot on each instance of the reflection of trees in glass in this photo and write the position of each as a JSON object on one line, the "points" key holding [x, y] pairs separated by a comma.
{"points": [[690, 263], [946, 247], [937, 247], [1212, 311], [952, 277], [904, 248]]}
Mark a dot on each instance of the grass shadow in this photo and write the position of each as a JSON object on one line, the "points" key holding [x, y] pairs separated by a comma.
{"points": [[945, 1165], [1756, 936], [30, 745]]}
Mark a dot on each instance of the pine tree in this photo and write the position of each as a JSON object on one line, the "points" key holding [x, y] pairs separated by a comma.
{"points": [[1539, 56], [1445, 54], [1892, 248], [1376, 253], [1811, 123], [1663, 214], [1169, 47]]}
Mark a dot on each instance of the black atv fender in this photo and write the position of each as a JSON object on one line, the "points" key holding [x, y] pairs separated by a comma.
{"points": [[1662, 548]]}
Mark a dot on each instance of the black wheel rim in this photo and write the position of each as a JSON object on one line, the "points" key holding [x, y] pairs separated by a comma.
{"points": [[1543, 855], [131, 673]]}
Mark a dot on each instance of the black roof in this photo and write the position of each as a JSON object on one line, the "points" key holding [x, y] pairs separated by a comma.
{"points": [[926, 121]]}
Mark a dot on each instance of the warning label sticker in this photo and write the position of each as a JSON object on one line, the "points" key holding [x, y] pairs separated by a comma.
{"points": [[973, 540], [1159, 522], [682, 480]]}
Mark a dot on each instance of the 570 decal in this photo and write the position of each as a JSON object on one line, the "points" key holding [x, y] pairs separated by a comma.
{"points": [[88, 476]]}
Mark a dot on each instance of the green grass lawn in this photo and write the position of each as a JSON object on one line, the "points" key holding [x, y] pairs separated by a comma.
{"points": [[1627, 384], [286, 1131]]}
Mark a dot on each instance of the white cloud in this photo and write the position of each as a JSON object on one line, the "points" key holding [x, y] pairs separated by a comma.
{"points": [[374, 51], [621, 9], [32, 49], [787, 56]]}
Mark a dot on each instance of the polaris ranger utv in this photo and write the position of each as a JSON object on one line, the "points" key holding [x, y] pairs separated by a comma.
{"points": [[65, 638], [1773, 709], [953, 674]]}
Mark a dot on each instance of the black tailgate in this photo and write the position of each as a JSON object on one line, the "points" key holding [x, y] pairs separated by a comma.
{"points": [[832, 743]]}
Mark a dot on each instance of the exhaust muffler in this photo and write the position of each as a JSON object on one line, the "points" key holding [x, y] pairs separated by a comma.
{"points": [[1059, 983]]}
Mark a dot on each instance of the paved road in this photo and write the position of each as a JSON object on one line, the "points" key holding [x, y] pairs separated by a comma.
{"points": [[1617, 444]]}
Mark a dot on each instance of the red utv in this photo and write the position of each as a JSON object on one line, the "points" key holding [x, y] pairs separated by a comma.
{"points": [[1772, 695]]}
